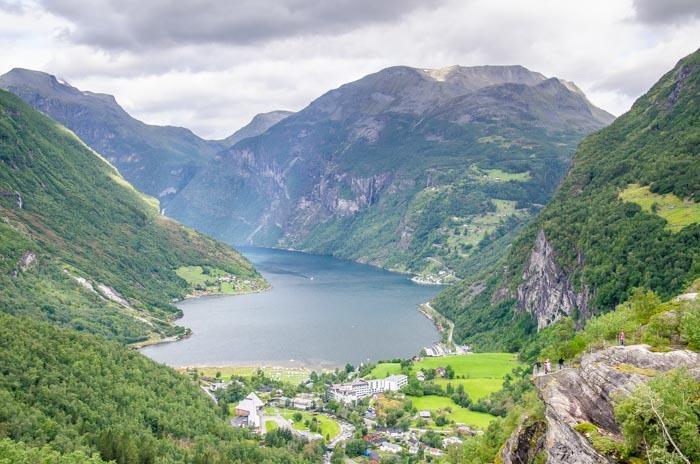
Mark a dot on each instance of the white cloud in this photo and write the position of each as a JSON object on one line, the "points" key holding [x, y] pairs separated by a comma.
{"points": [[214, 83]]}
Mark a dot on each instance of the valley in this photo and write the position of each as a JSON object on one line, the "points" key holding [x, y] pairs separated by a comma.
{"points": [[432, 265]]}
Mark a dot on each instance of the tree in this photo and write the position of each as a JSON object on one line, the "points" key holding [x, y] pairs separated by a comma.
{"points": [[355, 447], [661, 418]]}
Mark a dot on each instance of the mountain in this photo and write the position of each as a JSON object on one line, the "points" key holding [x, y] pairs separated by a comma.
{"points": [[80, 247], [156, 160], [411, 169], [70, 394], [627, 215], [259, 124]]}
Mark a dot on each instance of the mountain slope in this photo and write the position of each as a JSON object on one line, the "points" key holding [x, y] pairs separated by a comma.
{"points": [[259, 124], [75, 392], [79, 246], [157, 160], [627, 215], [406, 168]]}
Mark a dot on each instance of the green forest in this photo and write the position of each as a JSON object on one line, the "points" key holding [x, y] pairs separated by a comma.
{"points": [[605, 244], [89, 232], [104, 398]]}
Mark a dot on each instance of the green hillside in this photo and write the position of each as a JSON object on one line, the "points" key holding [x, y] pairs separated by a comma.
{"points": [[624, 217], [75, 394], [82, 248], [158, 160]]}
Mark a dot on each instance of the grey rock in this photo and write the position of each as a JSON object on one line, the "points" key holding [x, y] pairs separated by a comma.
{"points": [[588, 394], [546, 291]]}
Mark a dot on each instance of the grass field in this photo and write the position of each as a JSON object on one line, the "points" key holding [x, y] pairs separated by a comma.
{"points": [[329, 427], [678, 213], [473, 366], [292, 375], [475, 388], [452, 410], [270, 425], [382, 370], [208, 280]]}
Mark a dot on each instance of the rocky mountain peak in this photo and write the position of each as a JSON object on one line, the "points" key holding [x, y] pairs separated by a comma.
{"points": [[259, 124]]}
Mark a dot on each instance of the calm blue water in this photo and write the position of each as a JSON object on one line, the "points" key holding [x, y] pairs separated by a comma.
{"points": [[321, 312]]}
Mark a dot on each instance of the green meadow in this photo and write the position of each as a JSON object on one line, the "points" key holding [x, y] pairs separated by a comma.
{"points": [[329, 427], [677, 212], [454, 412]]}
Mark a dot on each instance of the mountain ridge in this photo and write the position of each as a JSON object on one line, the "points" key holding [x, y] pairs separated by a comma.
{"points": [[158, 160], [311, 181]]}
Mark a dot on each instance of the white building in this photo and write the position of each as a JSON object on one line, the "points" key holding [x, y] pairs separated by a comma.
{"points": [[358, 389], [449, 441], [302, 403], [390, 447], [251, 408]]}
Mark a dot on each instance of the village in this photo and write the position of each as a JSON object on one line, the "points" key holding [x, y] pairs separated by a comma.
{"points": [[417, 408]]}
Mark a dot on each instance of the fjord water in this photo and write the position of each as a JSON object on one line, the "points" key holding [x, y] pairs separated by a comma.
{"points": [[320, 312]]}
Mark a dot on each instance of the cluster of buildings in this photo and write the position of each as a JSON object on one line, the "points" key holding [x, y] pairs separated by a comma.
{"points": [[358, 389], [396, 441], [442, 349]]}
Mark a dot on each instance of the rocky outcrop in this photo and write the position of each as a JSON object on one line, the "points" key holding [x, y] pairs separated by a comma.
{"points": [[547, 292], [588, 393], [525, 443], [16, 195], [24, 263]]}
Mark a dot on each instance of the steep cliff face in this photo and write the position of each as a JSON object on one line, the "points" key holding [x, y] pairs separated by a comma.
{"points": [[621, 219], [587, 394], [406, 168], [546, 291]]}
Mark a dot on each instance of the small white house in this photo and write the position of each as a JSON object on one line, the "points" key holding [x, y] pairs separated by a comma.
{"points": [[449, 441], [251, 408], [390, 447]]}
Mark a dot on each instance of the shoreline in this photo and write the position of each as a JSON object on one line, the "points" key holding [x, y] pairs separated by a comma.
{"points": [[438, 319], [188, 332]]}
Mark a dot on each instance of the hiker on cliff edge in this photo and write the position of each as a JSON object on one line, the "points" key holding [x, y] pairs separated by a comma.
{"points": [[621, 338], [561, 363], [547, 367]]}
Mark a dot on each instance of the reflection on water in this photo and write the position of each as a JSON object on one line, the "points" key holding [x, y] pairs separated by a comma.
{"points": [[321, 312]]}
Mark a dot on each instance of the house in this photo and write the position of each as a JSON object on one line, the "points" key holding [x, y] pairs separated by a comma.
{"points": [[440, 372], [420, 376], [389, 447], [303, 403], [433, 452], [449, 441], [250, 408], [424, 414], [465, 430], [374, 438]]}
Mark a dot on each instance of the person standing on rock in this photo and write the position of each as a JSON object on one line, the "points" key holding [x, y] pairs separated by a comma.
{"points": [[538, 366], [621, 338], [561, 363], [547, 367]]}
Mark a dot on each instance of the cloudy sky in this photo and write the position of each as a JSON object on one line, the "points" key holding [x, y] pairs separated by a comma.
{"points": [[210, 65]]}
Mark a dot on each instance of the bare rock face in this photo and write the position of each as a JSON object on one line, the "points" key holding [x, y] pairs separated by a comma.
{"points": [[525, 443], [547, 292], [588, 394]]}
